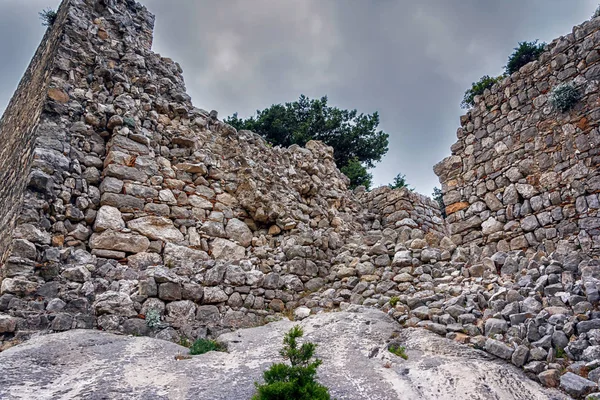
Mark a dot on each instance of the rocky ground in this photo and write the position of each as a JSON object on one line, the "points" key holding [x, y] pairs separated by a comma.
{"points": [[87, 364]]}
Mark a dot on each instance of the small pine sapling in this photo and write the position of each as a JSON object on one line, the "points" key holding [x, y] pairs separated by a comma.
{"points": [[295, 381]]}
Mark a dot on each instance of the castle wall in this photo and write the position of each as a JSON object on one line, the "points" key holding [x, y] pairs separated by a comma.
{"points": [[18, 125], [523, 175]]}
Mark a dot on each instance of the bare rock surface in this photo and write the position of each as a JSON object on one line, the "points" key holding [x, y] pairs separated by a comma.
{"points": [[87, 364]]}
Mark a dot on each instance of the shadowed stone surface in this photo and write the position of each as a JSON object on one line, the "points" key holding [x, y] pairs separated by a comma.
{"points": [[86, 364]]}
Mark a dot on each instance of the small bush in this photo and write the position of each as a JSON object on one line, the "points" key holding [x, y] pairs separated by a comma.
{"points": [[525, 53], [564, 96], [295, 381], [202, 346], [477, 89], [153, 318], [398, 350], [394, 300], [48, 17], [399, 182], [596, 13]]}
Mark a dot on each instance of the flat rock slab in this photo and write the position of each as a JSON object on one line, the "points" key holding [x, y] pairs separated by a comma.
{"points": [[87, 364]]}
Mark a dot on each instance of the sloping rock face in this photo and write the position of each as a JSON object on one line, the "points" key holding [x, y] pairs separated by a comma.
{"points": [[84, 364]]}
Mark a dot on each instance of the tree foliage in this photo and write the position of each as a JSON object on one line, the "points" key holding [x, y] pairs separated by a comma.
{"points": [[525, 53], [48, 17], [477, 89], [399, 182], [295, 381], [357, 174], [356, 141]]}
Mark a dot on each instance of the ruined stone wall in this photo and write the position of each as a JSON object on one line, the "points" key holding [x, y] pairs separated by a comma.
{"points": [[148, 216], [523, 175], [404, 208], [137, 200], [18, 125]]}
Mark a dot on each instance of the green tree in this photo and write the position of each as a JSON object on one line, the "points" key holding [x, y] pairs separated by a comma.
{"points": [[399, 182], [295, 381], [353, 136], [525, 53], [357, 174]]}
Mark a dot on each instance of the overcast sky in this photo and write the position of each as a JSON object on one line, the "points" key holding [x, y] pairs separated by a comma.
{"points": [[409, 60]]}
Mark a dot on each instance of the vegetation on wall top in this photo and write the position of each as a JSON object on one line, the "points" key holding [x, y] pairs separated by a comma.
{"points": [[356, 141]]}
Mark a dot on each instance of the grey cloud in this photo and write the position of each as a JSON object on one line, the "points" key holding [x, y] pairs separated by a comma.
{"points": [[411, 61]]}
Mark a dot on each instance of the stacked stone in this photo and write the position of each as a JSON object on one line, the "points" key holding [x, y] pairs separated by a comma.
{"points": [[136, 200], [403, 208], [538, 311], [148, 216], [523, 175]]}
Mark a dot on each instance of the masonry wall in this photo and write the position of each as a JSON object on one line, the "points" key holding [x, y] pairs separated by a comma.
{"points": [[523, 175], [400, 208], [18, 125]]}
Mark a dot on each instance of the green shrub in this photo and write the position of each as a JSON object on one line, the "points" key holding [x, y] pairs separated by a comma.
{"points": [[596, 13], [525, 53], [399, 182], [295, 381], [48, 17], [477, 89], [202, 346], [153, 318], [564, 96], [398, 350], [394, 300]]}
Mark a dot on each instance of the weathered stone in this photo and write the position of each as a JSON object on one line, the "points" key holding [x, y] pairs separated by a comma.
{"points": [[223, 249], [156, 228], [8, 324], [576, 385], [239, 231], [120, 241], [77, 274], [498, 349], [114, 303], [169, 291], [182, 256], [213, 295]]}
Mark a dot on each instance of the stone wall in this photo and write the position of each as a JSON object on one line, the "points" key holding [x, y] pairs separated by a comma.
{"points": [[403, 208], [138, 200], [18, 125], [523, 175], [145, 215]]}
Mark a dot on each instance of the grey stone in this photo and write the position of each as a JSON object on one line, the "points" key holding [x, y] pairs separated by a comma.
{"points": [[576, 385], [498, 349]]}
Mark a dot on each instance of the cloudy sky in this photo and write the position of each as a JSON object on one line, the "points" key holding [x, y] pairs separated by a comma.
{"points": [[409, 60]]}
